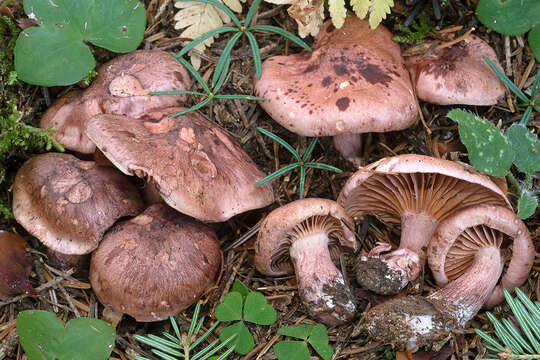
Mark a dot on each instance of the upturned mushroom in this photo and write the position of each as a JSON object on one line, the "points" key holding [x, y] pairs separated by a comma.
{"points": [[155, 265], [296, 238], [122, 87], [354, 81], [466, 257], [417, 192], [457, 75], [15, 266], [197, 167], [68, 204]]}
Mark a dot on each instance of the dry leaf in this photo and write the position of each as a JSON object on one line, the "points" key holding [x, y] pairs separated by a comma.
{"points": [[198, 18], [309, 14]]}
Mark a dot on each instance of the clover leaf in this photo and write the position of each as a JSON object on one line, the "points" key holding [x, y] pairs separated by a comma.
{"points": [[526, 147], [527, 204], [315, 335], [43, 336], [56, 53], [252, 308]]}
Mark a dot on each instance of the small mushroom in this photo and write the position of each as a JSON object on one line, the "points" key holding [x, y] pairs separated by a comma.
{"points": [[122, 87], [15, 266], [466, 257], [354, 81], [457, 75], [68, 204], [297, 237], [417, 192], [155, 265], [197, 167]]}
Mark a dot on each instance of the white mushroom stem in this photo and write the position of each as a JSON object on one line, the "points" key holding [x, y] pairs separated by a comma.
{"points": [[320, 284], [462, 298], [349, 146]]}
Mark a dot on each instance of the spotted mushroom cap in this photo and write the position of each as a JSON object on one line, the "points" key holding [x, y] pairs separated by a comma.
{"points": [[457, 75], [417, 183], [456, 240], [195, 165], [354, 81], [155, 265], [280, 222], [68, 204], [122, 87]]}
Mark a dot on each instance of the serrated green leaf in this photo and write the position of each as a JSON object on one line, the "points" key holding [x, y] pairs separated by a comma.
{"points": [[489, 149], [257, 310], [360, 7], [231, 308], [243, 341], [319, 341], [379, 9], [239, 287], [287, 350], [527, 205], [55, 52], [300, 332], [338, 12], [526, 148]]}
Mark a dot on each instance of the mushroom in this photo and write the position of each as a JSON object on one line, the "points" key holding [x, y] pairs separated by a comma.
{"points": [[417, 191], [15, 266], [122, 87], [296, 237], [197, 167], [457, 75], [354, 81], [155, 265], [68, 204], [466, 257]]}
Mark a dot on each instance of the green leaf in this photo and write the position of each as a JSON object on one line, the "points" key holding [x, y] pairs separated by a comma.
{"points": [[281, 141], [300, 332], [43, 335], [224, 61], [286, 350], [509, 17], [203, 37], [231, 307], [55, 52], [257, 310], [277, 30], [527, 205], [309, 149], [319, 340], [251, 12], [195, 74], [255, 51], [277, 174], [243, 341], [321, 166], [534, 42], [526, 148], [240, 288], [489, 149]]}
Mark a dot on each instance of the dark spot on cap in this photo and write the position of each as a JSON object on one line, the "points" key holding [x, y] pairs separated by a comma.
{"points": [[311, 68], [374, 74], [443, 61], [340, 69], [343, 103], [178, 75], [330, 28], [326, 81]]}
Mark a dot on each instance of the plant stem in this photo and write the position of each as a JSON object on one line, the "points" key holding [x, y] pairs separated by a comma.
{"points": [[513, 182], [509, 355]]}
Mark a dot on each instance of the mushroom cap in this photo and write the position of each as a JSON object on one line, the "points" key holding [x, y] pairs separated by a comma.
{"points": [[457, 75], [451, 249], [195, 165], [417, 183], [15, 266], [280, 222], [68, 204], [354, 81], [155, 265], [122, 87]]}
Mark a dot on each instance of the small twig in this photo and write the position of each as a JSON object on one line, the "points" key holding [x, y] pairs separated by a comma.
{"points": [[456, 40]]}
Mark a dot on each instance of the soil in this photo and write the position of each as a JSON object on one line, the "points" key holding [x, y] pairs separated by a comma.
{"points": [[435, 135]]}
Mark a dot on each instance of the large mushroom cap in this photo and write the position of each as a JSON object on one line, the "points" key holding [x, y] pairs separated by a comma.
{"points": [[197, 167], [457, 75], [354, 81], [417, 192], [458, 239], [68, 204], [122, 87], [299, 235], [155, 265]]}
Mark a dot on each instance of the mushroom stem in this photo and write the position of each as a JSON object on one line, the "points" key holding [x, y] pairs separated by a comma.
{"points": [[349, 146], [320, 284], [462, 298]]}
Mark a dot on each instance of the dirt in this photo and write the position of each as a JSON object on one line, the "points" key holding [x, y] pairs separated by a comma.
{"points": [[435, 136]]}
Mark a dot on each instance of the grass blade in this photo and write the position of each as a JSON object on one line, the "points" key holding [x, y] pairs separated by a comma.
{"points": [[276, 174], [277, 30], [194, 321], [203, 37], [163, 355], [217, 348], [282, 142], [222, 66], [221, 6], [509, 83], [256, 53], [177, 93], [309, 149], [240, 97], [302, 182], [535, 86], [316, 165], [200, 339], [498, 347], [195, 74], [251, 12], [193, 108]]}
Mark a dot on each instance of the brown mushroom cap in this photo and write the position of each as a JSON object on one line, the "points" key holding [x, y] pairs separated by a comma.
{"points": [[298, 235], [456, 241], [68, 204], [15, 266], [457, 75], [122, 87], [155, 265], [417, 191], [196, 166], [354, 81]]}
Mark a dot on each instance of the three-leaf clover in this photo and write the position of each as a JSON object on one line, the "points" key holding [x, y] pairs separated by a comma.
{"points": [[252, 308], [315, 335]]}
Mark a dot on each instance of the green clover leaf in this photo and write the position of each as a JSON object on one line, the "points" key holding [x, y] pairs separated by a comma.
{"points": [[526, 147], [257, 310]]}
